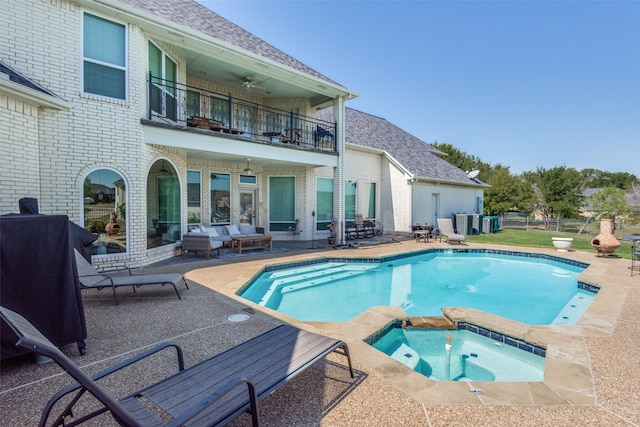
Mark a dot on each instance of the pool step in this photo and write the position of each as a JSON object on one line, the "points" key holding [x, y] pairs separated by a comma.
{"points": [[305, 270], [314, 278], [324, 272]]}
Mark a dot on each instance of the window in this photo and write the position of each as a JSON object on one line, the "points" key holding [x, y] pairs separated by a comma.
{"points": [[324, 203], [104, 57], [281, 203], [105, 211], [248, 179], [273, 122], [369, 200], [350, 200], [220, 198], [194, 197], [193, 103], [164, 75], [163, 205], [244, 118], [220, 109]]}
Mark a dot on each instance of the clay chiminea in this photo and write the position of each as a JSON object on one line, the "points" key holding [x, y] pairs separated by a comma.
{"points": [[112, 227], [605, 242]]}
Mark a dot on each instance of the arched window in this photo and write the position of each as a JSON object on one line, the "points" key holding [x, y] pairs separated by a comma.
{"points": [[105, 210], [163, 205]]}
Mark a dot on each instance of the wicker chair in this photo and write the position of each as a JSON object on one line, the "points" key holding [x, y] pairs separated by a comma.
{"points": [[195, 242]]}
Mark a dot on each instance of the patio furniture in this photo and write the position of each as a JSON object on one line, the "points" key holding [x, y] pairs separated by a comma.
{"points": [[194, 242], [223, 233], [91, 278], [423, 232], [212, 392], [322, 138], [292, 136], [38, 278], [237, 242], [360, 228], [446, 229], [635, 250]]}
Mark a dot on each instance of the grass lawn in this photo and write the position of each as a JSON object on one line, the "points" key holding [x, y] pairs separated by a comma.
{"points": [[542, 239]]}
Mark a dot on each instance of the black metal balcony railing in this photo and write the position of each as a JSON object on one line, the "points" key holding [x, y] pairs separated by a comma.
{"points": [[204, 109]]}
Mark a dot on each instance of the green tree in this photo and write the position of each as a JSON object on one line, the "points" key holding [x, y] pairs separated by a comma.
{"points": [[610, 201], [507, 192], [594, 178], [558, 190], [460, 159]]}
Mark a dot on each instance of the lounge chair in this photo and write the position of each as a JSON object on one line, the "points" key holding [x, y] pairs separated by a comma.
{"points": [[90, 278], [446, 229], [212, 392]]}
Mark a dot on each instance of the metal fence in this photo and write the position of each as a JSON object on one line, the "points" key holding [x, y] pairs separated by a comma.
{"points": [[586, 226]]}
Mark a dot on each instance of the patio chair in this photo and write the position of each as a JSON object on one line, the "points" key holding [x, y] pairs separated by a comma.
{"points": [[212, 392], [291, 136], [446, 229], [365, 227], [322, 138], [91, 278]]}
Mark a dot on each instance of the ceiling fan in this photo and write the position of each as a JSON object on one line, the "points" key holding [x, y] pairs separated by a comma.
{"points": [[248, 83]]}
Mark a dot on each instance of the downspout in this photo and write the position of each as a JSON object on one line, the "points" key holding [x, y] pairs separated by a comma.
{"points": [[338, 173]]}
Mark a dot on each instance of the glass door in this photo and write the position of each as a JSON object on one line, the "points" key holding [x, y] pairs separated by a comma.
{"points": [[247, 207]]}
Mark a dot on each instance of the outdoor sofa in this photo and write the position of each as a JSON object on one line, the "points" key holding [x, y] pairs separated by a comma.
{"points": [[224, 233]]}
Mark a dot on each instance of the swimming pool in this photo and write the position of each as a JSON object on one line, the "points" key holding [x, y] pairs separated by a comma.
{"points": [[531, 288], [462, 355]]}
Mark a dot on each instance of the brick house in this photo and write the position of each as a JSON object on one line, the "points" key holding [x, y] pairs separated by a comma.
{"points": [[187, 119]]}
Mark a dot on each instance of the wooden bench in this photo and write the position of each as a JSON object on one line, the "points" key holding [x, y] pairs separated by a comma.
{"points": [[212, 392]]}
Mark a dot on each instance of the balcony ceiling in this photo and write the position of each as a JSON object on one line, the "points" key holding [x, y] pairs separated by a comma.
{"points": [[269, 81]]}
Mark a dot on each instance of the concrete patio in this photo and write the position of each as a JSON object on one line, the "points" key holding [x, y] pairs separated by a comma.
{"points": [[589, 380]]}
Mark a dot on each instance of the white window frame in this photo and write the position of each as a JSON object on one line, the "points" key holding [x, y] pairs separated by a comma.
{"points": [[85, 59]]}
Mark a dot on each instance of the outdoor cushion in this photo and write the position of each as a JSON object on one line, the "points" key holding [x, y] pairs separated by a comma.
{"points": [[232, 229], [211, 231], [248, 229], [222, 230]]}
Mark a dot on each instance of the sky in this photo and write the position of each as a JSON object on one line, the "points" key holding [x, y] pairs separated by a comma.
{"points": [[523, 84]]}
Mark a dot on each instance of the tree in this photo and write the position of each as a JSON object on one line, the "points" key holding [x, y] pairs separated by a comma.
{"points": [[507, 192], [610, 201], [460, 159], [559, 192], [633, 196], [594, 178]]}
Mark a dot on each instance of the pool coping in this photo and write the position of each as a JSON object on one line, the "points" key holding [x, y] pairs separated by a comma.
{"points": [[568, 377]]}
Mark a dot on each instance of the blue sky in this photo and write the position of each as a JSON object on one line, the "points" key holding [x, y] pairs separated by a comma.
{"points": [[525, 84]]}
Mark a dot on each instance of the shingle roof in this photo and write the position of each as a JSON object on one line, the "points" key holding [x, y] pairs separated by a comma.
{"points": [[18, 78], [418, 157], [194, 15]]}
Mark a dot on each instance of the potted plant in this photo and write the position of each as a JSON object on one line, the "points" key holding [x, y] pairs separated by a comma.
{"points": [[332, 233]]}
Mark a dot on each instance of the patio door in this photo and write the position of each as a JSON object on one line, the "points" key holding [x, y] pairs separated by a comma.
{"points": [[247, 207]]}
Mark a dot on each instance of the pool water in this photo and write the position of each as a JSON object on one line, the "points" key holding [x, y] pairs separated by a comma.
{"points": [[531, 290], [472, 357]]}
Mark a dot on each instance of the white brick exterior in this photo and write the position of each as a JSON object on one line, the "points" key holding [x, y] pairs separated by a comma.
{"points": [[48, 151]]}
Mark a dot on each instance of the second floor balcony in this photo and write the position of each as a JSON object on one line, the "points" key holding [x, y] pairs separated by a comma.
{"points": [[172, 102]]}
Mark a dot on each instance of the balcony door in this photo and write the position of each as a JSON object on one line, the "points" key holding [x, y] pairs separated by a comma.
{"points": [[163, 90], [247, 207]]}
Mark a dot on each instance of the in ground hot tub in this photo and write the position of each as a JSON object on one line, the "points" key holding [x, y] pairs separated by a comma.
{"points": [[462, 355]]}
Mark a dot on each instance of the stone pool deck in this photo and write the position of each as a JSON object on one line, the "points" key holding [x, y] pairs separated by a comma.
{"points": [[589, 377]]}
